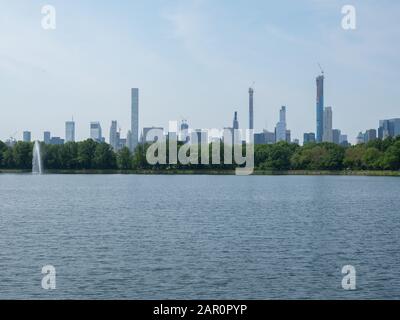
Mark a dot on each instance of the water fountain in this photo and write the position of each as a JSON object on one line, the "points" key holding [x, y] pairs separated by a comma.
{"points": [[37, 165]]}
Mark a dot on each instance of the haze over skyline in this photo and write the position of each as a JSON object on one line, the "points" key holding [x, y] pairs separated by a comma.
{"points": [[196, 60]]}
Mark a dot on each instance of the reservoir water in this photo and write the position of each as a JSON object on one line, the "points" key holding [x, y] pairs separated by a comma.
{"points": [[199, 237]]}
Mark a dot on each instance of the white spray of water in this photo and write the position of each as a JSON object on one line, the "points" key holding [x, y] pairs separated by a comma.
{"points": [[37, 166]]}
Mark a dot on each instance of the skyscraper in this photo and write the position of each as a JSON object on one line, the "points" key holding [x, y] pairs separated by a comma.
{"points": [[288, 136], [336, 133], [235, 122], [343, 140], [269, 137], [320, 108], [389, 128], [70, 131], [56, 141], [46, 137], [26, 136], [114, 135], [370, 135], [129, 139], [134, 118], [328, 134], [251, 108], [236, 134], [280, 130], [95, 132], [309, 137], [265, 137], [360, 138], [184, 131]]}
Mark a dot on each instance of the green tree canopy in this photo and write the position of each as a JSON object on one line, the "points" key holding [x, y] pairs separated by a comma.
{"points": [[104, 157], [124, 159], [86, 150], [22, 155]]}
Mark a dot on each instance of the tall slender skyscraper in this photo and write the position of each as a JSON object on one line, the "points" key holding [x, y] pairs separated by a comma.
{"points": [[70, 131], [184, 131], [320, 108], [251, 108], [114, 136], [235, 122], [134, 119], [236, 134], [328, 133], [129, 139], [280, 131]]}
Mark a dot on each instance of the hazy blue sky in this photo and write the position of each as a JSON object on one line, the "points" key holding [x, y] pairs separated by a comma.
{"points": [[196, 60]]}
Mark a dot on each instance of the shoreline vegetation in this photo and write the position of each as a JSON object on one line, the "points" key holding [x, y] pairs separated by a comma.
{"points": [[370, 173], [376, 158]]}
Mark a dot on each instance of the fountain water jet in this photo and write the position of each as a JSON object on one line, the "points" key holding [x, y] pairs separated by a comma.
{"points": [[37, 166]]}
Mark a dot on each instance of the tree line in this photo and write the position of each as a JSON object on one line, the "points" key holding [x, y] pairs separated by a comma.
{"points": [[91, 155]]}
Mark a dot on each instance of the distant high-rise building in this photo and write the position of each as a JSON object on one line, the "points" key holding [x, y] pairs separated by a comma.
{"points": [[343, 139], [56, 141], [309, 138], [269, 137], [184, 132], [236, 134], [360, 138], [280, 130], [96, 132], [235, 122], [320, 108], [26, 136], [46, 137], [370, 135], [122, 143], [265, 137], [70, 131], [327, 136], [251, 108], [134, 118], [129, 139], [389, 128], [114, 135], [336, 133], [288, 136], [259, 138]]}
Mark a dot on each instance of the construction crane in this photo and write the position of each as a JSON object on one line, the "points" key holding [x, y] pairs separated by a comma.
{"points": [[322, 70]]}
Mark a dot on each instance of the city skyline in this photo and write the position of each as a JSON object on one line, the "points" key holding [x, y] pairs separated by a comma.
{"points": [[189, 66], [137, 134]]}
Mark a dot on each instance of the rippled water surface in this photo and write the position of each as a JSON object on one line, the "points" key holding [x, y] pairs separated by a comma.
{"points": [[198, 237]]}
